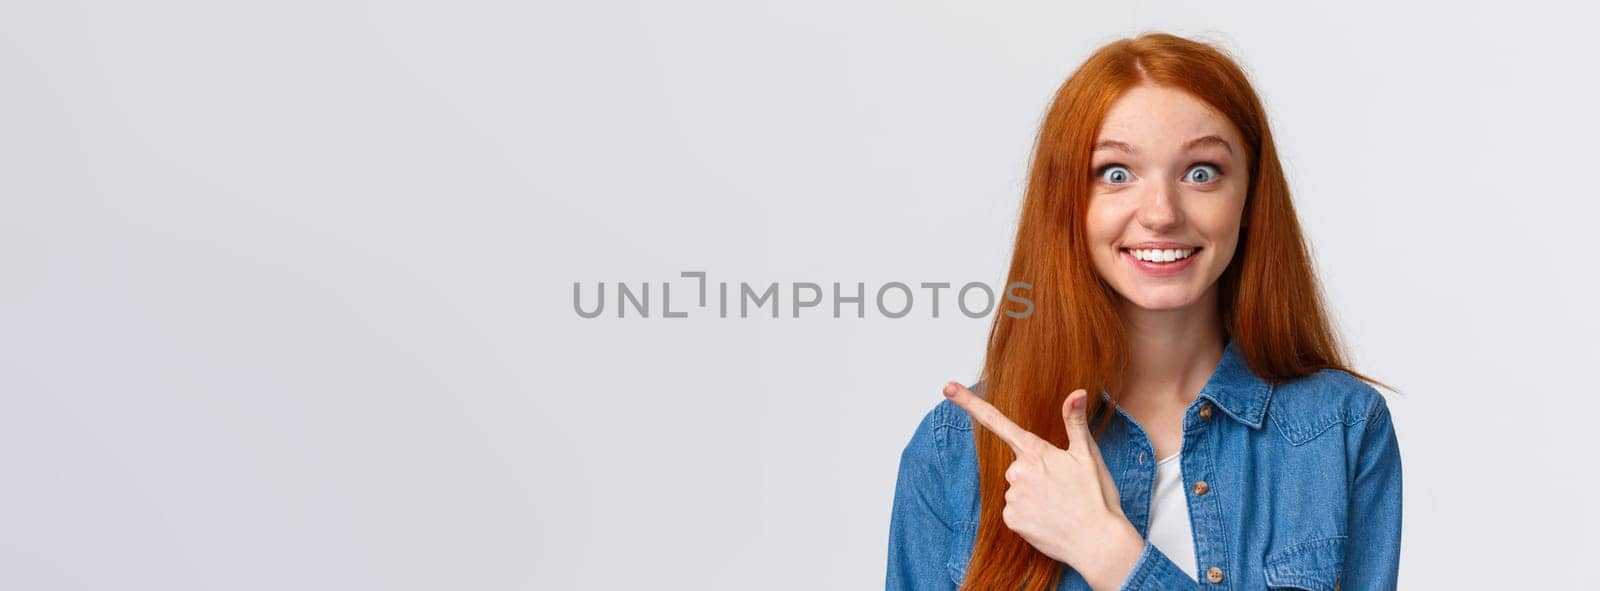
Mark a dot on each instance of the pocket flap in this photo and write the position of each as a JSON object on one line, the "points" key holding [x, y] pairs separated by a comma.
{"points": [[1313, 566]]}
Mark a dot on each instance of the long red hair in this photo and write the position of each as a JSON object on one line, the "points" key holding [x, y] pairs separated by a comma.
{"points": [[1270, 302]]}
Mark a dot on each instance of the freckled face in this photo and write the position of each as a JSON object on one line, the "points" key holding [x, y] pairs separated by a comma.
{"points": [[1168, 173]]}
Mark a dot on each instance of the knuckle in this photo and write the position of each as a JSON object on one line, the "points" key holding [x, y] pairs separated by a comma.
{"points": [[1037, 445]]}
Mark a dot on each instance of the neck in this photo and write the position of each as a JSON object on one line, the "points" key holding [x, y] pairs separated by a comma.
{"points": [[1172, 352]]}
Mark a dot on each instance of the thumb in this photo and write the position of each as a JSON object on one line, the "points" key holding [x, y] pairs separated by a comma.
{"points": [[1074, 412]]}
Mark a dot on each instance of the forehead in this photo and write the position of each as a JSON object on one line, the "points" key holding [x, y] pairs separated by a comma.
{"points": [[1162, 118]]}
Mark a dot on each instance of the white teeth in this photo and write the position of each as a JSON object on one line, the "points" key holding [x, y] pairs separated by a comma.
{"points": [[1162, 255]]}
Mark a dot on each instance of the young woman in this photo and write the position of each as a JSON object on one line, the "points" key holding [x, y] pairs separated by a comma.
{"points": [[1227, 444]]}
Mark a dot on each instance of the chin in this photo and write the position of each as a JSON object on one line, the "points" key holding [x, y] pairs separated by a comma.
{"points": [[1157, 303]]}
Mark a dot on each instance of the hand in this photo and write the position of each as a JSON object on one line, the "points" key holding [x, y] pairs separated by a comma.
{"points": [[1062, 502]]}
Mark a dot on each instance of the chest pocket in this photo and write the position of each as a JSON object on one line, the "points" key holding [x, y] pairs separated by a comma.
{"points": [[1312, 566], [961, 550]]}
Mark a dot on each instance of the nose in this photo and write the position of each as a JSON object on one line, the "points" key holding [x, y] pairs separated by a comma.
{"points": [[1159, 210]]}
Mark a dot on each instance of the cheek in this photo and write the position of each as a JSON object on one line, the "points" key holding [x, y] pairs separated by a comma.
{"points": [[1221, 219], [1101, 223]]}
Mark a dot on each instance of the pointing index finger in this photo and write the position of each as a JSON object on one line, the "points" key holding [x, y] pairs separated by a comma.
{"points": [[990, 417]]}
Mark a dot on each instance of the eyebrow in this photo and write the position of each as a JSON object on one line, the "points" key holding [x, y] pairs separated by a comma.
{"points": [[1209, 140]]}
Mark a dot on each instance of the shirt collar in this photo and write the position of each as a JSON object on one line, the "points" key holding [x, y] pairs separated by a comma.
{"points": [[1235, 388]]}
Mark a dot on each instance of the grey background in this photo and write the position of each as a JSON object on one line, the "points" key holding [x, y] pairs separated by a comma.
{"points": [[287, 285]]}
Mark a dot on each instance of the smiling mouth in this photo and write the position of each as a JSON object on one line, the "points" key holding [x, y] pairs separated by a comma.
{"points": [[1162, 256]]}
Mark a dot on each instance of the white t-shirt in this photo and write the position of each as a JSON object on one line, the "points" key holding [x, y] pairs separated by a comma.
{"points": [[1169, 516]]}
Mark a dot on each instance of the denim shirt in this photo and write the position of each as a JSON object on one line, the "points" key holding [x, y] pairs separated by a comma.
{"points": [[1302, 489]]}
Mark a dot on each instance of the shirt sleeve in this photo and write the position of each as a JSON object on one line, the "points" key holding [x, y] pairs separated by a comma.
{"points": [[1155, 571], [1373, 559], [920, 532]]}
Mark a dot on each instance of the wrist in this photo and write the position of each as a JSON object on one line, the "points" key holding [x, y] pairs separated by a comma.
{"points": [[1118, 555]]}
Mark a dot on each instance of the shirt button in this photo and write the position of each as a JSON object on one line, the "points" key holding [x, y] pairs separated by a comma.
{"points": [[1141, 457], [1200, 487], [1205, 411], [1214, 574]]}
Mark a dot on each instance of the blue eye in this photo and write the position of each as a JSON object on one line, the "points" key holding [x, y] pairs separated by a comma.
{"points": [[1207, 173], [1115, 174]]}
